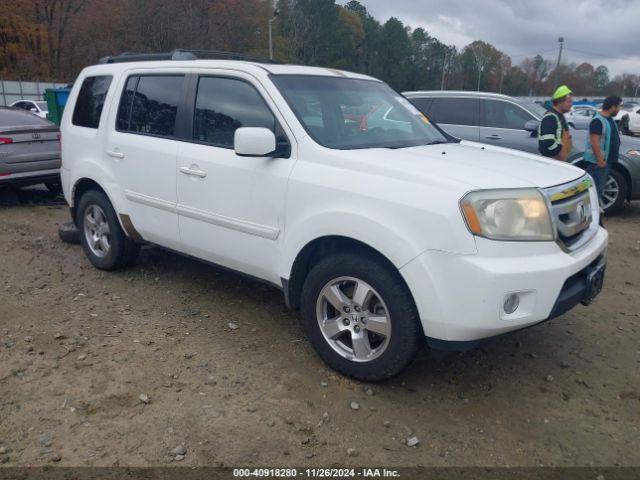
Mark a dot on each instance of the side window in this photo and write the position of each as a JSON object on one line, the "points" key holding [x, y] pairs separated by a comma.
{"points": [[223, 105], [422, 104], [500, 114], [149, 105], [155, 105], [90, 101], [454, 111], [124, 110]]}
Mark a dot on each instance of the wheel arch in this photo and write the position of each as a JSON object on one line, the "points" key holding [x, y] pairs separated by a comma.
{"points": [[317, 249], [84, 184]]}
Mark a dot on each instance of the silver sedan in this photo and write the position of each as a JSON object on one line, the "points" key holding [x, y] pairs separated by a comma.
{"points": [[29, 149]]}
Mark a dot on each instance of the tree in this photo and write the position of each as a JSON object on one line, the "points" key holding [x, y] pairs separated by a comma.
{"points": [[394, 49], [601, 79]]}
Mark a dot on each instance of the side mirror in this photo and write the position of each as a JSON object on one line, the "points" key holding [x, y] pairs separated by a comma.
{"points": [[531, 126], [33, 110], [254, 142]]}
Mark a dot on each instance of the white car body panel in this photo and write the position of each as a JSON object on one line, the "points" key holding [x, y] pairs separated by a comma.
{"points": [[255, 215]]}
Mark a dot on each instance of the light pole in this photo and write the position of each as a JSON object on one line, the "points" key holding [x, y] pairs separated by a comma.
{"points": [[561, 41], [275, 14]]}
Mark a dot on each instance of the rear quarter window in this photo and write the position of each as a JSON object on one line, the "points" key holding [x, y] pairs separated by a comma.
{"points": [[454, 111], [90, 101]]}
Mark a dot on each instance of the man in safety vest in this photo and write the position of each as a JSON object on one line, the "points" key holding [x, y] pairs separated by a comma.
{"points": [[603, 145], [554, 140]]}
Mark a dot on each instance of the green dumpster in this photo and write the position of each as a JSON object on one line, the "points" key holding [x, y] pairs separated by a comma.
{"points": [[56, 100]]}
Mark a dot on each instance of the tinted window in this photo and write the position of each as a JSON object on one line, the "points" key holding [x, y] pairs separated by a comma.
{"points": [[90, 101], [153, 105], [124, 111], [499, 114], [224, 105], [454, 111]]}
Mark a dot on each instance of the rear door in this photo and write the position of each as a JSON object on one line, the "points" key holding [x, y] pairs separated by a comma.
{"points": [[141, 151], [502, 123], [458, 116]]}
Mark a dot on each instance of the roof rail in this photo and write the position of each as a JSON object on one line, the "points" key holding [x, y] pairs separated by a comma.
{"points": [[183, 54]]}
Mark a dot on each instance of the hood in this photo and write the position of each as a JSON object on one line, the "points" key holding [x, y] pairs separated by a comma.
{"points": [[468, 165], [580, 141]]}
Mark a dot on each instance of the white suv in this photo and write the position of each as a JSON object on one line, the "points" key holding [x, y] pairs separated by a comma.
{"points": [[379, 227]]}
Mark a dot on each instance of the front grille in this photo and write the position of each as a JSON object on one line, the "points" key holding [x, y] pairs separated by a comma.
{"points": [[573, 213]]}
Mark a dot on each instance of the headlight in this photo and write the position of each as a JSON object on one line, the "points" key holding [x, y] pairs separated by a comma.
{"points": [[514, 214], [634, 152]]}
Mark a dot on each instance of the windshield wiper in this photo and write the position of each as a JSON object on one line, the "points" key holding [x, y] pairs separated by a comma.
{"points": [[437, 142]]}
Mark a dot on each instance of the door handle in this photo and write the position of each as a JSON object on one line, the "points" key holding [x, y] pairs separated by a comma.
{"points": [[115, 154], [195, 173], [494, 137]]}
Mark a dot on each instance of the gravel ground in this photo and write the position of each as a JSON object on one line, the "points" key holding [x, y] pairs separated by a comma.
{"points": [[176, 361]]}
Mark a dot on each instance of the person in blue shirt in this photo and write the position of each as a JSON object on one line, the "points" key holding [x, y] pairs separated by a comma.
{"points": [[603, 144]]}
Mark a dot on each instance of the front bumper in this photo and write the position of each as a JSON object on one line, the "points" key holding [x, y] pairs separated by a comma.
{"points": [[460, 297]]}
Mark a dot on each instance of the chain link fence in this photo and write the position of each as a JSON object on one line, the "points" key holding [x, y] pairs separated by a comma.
{"points": [[14, 90]]}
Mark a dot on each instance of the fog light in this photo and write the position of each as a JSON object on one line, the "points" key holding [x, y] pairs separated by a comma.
{"points": [[511, 303]]}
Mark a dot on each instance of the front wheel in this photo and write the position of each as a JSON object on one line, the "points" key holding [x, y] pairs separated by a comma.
{"points": [[360, 316], [614, 192]]}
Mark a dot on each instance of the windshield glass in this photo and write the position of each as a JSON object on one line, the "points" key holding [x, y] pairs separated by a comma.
{"points": [[348, 113], [42, 105], [535, 108]]}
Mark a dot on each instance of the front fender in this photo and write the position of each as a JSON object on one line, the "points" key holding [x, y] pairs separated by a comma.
{"points": [[395, 248]]}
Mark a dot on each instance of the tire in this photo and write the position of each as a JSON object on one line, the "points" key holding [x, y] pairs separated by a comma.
{"points": [[54, 187], [68, 233], [119, 250], [388, 298], [615, 178]]}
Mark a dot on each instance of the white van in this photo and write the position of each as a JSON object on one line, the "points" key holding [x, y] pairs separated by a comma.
{"points": [[377, 225]]}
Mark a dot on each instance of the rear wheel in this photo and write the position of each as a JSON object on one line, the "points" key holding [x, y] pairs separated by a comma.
{"points": [[102, 238], [614, 192], [360, 316]]}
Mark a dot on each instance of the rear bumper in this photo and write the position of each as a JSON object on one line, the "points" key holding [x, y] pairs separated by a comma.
{"points": [[31, 178]]}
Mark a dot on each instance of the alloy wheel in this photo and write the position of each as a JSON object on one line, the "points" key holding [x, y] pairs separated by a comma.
{"points": [[610, 192], [353, 319], [96, 231]]}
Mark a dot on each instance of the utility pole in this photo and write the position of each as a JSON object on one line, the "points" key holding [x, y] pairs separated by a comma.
{"points": [[480, 69], [561, 41], [444, 69], [271, 20]]}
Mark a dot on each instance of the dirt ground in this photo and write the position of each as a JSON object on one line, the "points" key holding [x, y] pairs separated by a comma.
{"points": [[229, 377]]}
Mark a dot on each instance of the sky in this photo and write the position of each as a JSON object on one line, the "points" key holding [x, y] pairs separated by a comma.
{"points": [[602, 32]]}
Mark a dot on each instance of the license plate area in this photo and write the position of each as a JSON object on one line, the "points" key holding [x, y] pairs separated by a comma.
{"points": [[595, 282]]}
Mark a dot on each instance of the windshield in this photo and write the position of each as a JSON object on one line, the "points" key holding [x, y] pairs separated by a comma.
{"points": [[348, 113], [42, 105], [535, 108]]}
